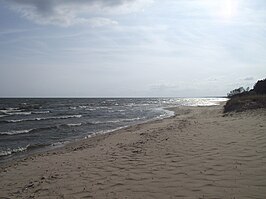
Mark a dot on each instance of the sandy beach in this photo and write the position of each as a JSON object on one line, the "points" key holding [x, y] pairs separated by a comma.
{"points": [[198, 153]]}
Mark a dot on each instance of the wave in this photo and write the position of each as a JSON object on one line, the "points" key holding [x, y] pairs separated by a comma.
{"points": [[8, 110], [35, 130], [75, 124], [119, 120], [44, 118], [90, 109], [83, 107], [18, 113], [58, 144], [166, 114], [7, 114], [40, 112], [11, 151], [98, 108], [16, 132], [104, 132], [127, 120]]}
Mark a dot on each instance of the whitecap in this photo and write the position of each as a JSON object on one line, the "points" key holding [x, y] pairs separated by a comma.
{"points": [[16, 132], [18, 113], [11, 151], [9, 110], [126, 120], [119, 120], [76, 124], [90, 109], [65, 117], [41, 112], [83, 107], [59, 144], [104, 132], [45, 118], [166, 114]]}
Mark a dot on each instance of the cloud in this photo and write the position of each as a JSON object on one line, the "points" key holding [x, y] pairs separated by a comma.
{"points": [[68, 12], [249, 79], [12, 31]]}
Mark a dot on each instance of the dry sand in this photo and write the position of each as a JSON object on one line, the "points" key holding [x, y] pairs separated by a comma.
{"points": [[199, 153]]}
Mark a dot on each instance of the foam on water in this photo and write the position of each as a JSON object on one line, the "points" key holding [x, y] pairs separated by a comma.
{"points": [[45, 118], [104, 132], [40, 112], [15, 132], [18, 113], [11, 151], [77, 124]]}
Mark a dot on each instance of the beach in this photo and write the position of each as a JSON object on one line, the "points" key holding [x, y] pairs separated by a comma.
{"points": [[198, 153]]}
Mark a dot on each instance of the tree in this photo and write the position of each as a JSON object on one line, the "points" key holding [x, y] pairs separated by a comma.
{"points": [[260, 87], [237, 92]]}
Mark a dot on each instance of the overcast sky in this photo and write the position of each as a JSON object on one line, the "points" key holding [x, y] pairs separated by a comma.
{"points": [[118, 48]]}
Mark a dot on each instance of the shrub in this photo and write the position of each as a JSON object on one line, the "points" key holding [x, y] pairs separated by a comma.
{"points": [[247, 102], [243, 99], [260, 87], [237, 92]]}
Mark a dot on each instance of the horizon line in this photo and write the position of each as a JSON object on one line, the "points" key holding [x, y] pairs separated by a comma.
{"points": [[103, 97]]}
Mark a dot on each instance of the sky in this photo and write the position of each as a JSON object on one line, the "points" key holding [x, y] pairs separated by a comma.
{"points": [[130, 48]]}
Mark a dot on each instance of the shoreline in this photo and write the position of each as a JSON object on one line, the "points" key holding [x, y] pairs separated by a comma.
{"points": [[16, 157], [197, 153], [23, 155], [38, 145]]}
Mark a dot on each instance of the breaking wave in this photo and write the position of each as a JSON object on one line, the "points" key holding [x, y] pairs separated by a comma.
{"points": [[11, 151], [20, 149], [15, 132], [44, 118]]}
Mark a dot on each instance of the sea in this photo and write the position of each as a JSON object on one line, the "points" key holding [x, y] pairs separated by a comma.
{"points": [[29, 124]]}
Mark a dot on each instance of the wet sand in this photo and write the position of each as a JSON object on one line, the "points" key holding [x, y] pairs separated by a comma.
{"points": [[198, 153]]}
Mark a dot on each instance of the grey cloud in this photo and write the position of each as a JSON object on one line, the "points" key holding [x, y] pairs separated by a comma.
{"points": [[69, 12], [12, 31], [164, 87], [50, 6], [174, 90], [249, 79]]}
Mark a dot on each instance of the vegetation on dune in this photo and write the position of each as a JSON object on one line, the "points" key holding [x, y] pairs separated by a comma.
{"points": [[244, 99], [245, 103], [260, 87]]}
